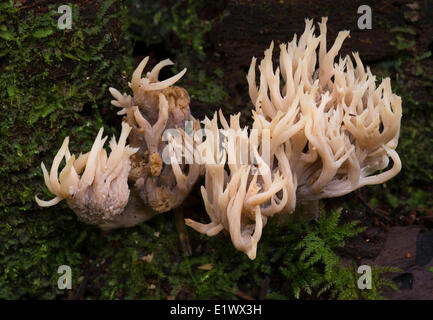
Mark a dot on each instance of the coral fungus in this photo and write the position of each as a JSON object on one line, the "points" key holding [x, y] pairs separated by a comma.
{"points": [[351, 128], [330, 131], [235, 201], [320, 129], [102, 195], [158, 113]]}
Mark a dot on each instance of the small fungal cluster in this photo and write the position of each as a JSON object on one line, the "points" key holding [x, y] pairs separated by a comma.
{"points": [[320, 129], [134, 183]]}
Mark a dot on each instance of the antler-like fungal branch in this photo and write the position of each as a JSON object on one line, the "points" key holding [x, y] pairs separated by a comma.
{"points": [[158, 112]]}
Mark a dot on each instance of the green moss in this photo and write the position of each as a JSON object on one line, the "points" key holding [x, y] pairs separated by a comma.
{"points": [[53, 84], [413, 81]]}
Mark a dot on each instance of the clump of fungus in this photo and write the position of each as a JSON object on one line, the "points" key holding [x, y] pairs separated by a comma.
{"points": [[320, 129], [351, 128], [158, 113], [239, 201], [102, 195], [330, 129]]}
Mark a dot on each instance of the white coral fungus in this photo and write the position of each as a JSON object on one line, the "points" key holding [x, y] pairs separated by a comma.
{"points": [[331, 130]]}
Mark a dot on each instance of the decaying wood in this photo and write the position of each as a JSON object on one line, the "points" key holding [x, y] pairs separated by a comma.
{"points": [[250, 26]]}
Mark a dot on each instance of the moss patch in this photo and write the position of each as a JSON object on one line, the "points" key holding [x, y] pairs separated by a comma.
{"points": [[53, 84]]}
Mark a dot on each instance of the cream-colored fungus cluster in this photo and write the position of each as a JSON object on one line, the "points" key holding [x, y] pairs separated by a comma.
{"points": [[102, 195], [320, 129], [156, 109], [239, 201], [348, 129], [330, 130]]}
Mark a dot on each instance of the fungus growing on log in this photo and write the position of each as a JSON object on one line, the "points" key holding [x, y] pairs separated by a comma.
{"points": [[330, 131], [102, 195], [242, 199], [350, 127], [320, 129], [158, 113], [99, 195]]}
